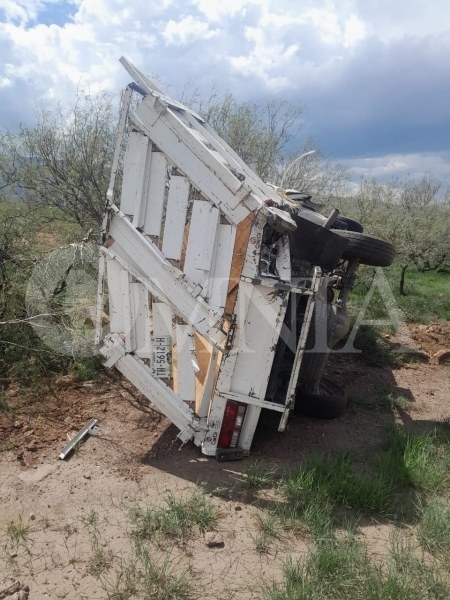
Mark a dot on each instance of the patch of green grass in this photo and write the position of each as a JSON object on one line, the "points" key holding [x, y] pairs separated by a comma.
{"points": [[17, 532], [320, 519], [178, 519], [321, 493], [427, 296], [340, 569], [395, 401], [420, 460], [269, 528], [91, 520], [227, 492], [7, 445], [332, 480], [434, 526], [146, 577], [99, 562], [331, 570], [259, 475], [16, 539]]}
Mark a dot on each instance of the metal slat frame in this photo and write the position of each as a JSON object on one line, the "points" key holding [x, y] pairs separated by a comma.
{"points": [[300, 351]]}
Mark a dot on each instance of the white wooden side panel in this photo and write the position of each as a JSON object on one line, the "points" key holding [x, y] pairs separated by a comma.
{"points": [[220, 272], [155, 390], [258, 324], [128, 311], [251, 262], [134, 172], [155, 194], [115, 296], [208, 136], [142, 323], [201, 241], [204, 172], [201, 138], [161, 340], [177, 204], [245, 370], [147, 264], [185, 369]]}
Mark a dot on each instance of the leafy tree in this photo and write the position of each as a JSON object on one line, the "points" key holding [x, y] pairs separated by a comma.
{"points": [[261, 133], [423, 233], [257, 132], [311, 172], [410, 214], [64, 160]]}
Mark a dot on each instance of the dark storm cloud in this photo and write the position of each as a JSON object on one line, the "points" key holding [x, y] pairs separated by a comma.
{"points": [[388, 97], [371, 76]]}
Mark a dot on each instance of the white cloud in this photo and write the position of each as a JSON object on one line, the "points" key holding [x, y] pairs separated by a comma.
{"points": [[401, 166], [394, 19], [354, 31], [325, 21], [266, 60], [21, 10], [215, 10], [370, 74], [187, 30]]}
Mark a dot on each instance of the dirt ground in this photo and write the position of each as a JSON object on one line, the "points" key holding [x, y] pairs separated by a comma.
{"points": [[136, 458]]}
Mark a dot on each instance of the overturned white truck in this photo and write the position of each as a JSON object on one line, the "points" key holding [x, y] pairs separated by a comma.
{"points": [[219, 287]]}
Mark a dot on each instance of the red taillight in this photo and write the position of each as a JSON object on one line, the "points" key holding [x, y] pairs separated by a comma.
{"points": [[231, 425]]}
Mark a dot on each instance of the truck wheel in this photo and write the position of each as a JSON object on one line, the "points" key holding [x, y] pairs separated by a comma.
{"points": [[344, 223], [322, 329], [331, 323], [370, 250], [328, 403]]}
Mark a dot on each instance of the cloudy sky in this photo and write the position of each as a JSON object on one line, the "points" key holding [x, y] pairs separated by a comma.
{"points": [[372, 76]]}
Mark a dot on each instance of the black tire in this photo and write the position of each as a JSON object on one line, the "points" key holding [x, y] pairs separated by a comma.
{"points": [[346, 224], [322, 328], [331, 324], [329, 403], [370, 250]]}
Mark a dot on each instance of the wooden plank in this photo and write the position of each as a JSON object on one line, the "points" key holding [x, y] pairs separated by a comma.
{"points": [[237, 262], [220, 272], [229, 157], [195, 160], [208, 359], [155, 390], [201, 241], [199, 136], [147, 264], [155, 194], [142, 323], [177, 204], [128, 311], [133, 172], [185, 373], [253, 253], [161, 340], [152, 88], [113, 269]]}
